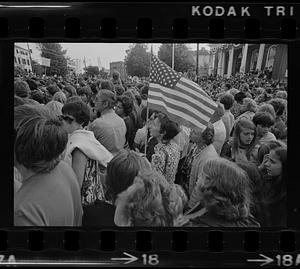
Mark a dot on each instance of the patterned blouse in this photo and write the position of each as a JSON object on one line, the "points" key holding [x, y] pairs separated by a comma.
{"points": [[92, 187], [165, 160]]}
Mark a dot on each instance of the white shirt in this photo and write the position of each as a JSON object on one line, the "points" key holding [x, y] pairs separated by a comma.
{"points": [[220, 135]]}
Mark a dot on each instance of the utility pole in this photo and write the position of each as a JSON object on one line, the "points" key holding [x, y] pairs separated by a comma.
{"points": [[29, 56], [173, 52]]}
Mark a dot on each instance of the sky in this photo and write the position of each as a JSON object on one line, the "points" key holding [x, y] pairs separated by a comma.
{"points": [[108, 52]]}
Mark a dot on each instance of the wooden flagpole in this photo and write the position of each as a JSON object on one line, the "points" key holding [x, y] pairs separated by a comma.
{"points": [[147, 114]]}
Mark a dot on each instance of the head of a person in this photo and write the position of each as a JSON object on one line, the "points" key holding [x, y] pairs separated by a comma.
{"points": [[116, 76], [278, 105], [163, 128], [69, 91], [225, 190], [276, 164], [60, 97], [55, 108], [238, 97], [32, 84], [130, 94], [244, 87], [94, 87], [107, 85], [73, 99], [21, 88], [27, 111], [85, 93], [52, 89], [281, 94], [244, 136], [122, 170], [249, 105], [119, 90], [38, 96], [267, 108], [265, 148], [75, 115], [39, 144], [227, 86], [150, 201], [227, 100], [263, 122], [105, 100], [124, 106], [205, 137]]}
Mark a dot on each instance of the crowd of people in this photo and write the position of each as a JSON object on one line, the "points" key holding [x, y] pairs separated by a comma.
{"points": [[89, 152]]}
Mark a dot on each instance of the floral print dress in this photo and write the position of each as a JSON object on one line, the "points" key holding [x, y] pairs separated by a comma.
{"points": [[165, 160], [92, 187]]}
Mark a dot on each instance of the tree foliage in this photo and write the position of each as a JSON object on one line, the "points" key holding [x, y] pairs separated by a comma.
{"points": [[183, 57], [56, 54], [92, 70], [137, 60]]}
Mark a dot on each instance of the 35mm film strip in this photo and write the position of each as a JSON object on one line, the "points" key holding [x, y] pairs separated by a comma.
{"points": [[205, 46]]}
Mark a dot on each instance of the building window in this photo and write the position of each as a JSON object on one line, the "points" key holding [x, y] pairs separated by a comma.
{"points": [[254, 57], [16, 60], [17, 51], [23, 61], [19, 60], [27, 62], [271, 57]]}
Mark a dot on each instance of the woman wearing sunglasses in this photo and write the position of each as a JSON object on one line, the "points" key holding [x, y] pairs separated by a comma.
{"points": [[84, 152]]}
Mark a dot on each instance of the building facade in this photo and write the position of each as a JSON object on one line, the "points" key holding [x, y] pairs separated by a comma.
{"points": [[230, 59], [22, 58], [120, 67]]}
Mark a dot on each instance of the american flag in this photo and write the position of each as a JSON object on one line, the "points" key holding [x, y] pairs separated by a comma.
{"points": [[180, 98]]}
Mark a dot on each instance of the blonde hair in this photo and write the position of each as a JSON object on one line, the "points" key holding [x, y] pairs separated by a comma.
{"points": [[55, 108], [60, 97], [226, 189], [150, 201]]}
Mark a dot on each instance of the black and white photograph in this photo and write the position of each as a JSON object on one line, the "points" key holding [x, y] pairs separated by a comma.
{"points": [[150, 135]]}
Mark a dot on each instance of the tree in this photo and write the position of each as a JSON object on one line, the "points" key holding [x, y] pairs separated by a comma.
{"points": [[137, 60], [92, 70], [56, 54], [183, 57]]}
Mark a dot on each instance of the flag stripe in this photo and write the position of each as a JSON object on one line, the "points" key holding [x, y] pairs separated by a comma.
{"points": [[202, 103], [180, 106], [182, 97], [176, 114], [197, 92], [190, 83]]}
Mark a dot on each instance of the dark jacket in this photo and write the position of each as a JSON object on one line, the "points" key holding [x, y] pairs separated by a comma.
{"points": [[98, 215]]}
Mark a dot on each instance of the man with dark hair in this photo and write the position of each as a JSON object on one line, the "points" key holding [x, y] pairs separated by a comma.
{"points": [[263, 122], [228, 119], [107, 85], [237, 106], [109, 129]]}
